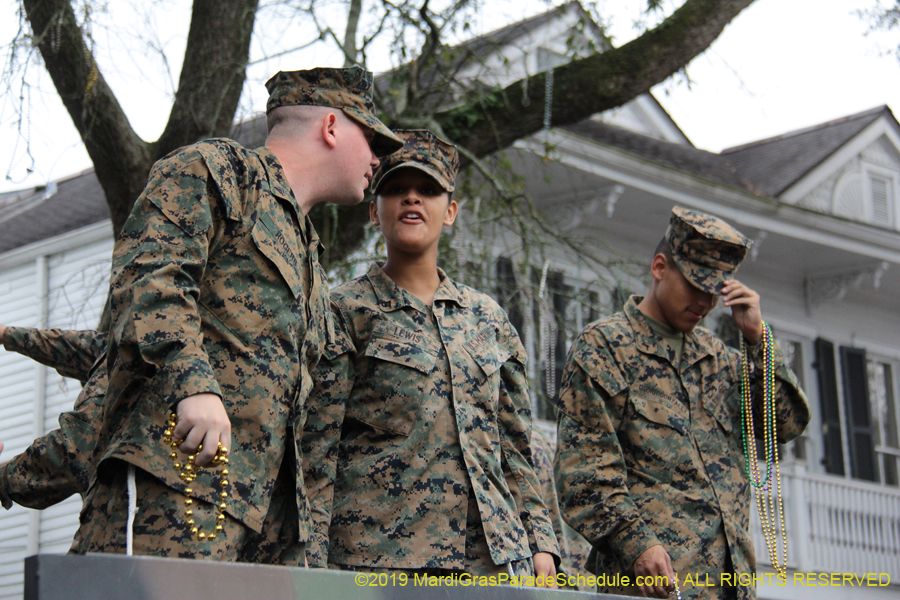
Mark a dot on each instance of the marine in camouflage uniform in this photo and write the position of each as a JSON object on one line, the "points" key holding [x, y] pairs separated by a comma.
{"points": [[217, 289], [650, 445], [417, 440], [56, 466]]}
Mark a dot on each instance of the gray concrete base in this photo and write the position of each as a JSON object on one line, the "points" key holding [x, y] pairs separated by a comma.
{"points": [[118, 577]]}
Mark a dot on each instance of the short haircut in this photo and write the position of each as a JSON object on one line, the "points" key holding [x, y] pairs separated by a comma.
{"points": [[294, 119], [663, 248]]}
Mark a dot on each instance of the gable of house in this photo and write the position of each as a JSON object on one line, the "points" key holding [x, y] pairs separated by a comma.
{"points": [[849, 167]]}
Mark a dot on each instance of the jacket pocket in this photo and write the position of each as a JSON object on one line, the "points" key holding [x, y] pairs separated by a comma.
{"points": [[389, 388]]}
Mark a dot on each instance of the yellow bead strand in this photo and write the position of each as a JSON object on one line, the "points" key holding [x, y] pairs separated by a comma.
{"points": [[188, 474], [770, 508]]}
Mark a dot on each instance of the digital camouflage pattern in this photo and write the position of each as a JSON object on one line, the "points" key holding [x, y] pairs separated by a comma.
{"points": [[574, 549], [70, 353], [438, 410], [650, 452], [347, 89], [424, 151], [707, 250], [216, 288], [57, 465], [159, 527]]}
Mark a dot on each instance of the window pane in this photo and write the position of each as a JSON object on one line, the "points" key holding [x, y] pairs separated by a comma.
{"points": [[877, 397]]}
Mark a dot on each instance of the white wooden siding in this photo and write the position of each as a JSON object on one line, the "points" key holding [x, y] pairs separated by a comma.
{"points": [[76, 280], [17, 391]]}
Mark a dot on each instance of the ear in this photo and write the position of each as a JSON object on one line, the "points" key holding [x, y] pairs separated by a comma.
{"points": [[452, 211], [373, 213], [659, 266], [329, 129]]}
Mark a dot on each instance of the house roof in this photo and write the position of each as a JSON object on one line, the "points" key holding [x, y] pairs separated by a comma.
{"points": [[47, 211], [775, 164], [685, 158], [65, 205]]}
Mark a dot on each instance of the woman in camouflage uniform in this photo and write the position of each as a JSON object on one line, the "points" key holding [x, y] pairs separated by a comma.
{"points": [[416, 447]]}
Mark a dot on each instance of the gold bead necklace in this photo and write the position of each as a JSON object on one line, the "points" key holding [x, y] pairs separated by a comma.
{"points": [[188, 473]]}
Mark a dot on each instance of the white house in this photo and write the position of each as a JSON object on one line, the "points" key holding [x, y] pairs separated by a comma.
{"points": [[822, 205]]}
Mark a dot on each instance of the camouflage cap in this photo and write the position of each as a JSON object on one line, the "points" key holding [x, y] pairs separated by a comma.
{"points": [[347, 89], [424, 151], [706, 249]]}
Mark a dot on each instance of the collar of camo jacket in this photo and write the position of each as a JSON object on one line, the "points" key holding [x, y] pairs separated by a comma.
{"points": [[649, 342], [392, 297]]}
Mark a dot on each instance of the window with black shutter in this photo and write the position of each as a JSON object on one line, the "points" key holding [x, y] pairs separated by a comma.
{"points": [[830, 407], [859, 423]]}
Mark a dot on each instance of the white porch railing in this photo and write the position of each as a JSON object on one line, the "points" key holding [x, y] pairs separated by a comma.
{"points": [[836, 525]]}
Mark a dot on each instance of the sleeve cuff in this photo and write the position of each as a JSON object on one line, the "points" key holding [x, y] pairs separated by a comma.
{"points": [[545, 541], [632, 541], [185, 377], [14, 338], [5, 500]]}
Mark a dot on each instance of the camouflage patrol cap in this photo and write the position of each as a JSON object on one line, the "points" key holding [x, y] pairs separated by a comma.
{"points": [[424, 151], [706, 249], [347, 89]]}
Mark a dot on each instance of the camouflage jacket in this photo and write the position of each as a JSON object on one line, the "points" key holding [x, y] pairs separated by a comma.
{"points": [[650, 452], [57, 465], [216, 288], [437, 408]]}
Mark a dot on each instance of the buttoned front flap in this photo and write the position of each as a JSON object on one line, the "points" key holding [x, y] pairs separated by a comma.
{"points": [[250, 281], [489, 355], [660, 412], [402, 353], [654, 438]]}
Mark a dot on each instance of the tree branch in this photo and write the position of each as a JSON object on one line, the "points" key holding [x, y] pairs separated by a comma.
{"points": [[593, 84], [349, 45]]}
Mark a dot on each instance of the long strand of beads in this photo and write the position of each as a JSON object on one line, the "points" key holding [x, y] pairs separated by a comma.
{"points": [[752, 466], [771, 509], [769, 376], [188, 473]]}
